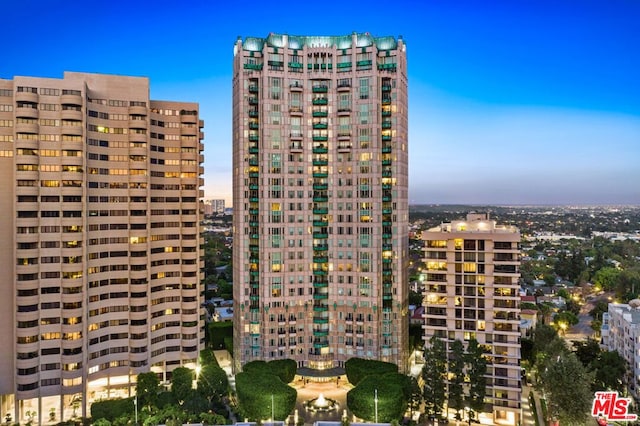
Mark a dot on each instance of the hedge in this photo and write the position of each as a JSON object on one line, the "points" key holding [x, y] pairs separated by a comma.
{"points": [[255, 390], [392, 391], [112, 409], [358, 368], [285, 369]]}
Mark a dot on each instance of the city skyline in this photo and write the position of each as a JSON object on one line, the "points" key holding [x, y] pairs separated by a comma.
{"points": [[528, 103]]}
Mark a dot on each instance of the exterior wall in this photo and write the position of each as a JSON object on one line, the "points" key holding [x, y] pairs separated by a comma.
{"points": [[106, 253], [320, 199], [471, 291], [621, 333]]}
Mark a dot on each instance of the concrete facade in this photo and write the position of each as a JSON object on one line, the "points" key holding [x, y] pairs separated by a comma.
{"points": [[621, 333], [320, 158], [472, 291], [101, 240]]}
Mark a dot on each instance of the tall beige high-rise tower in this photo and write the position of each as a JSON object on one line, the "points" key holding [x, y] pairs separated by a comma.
{"points": [[101, 240], [320, 200], [472, 291]]}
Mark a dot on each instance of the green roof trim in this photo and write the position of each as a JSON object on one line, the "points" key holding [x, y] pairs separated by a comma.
{"points": [[362, 40]]}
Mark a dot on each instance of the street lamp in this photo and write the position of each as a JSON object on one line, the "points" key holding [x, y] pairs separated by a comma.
{"points": [[375, 404], [273, 415], [135, 405]]}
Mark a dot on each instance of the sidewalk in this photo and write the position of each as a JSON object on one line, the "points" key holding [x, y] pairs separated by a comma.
{"points": [[527, 412]]}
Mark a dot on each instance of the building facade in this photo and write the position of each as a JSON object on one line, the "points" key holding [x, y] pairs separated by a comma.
{"points": [[101, 240], [472, 291], [320, 199], [621, 333]]}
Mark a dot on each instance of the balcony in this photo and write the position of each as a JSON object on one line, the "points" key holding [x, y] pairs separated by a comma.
{"points": [[320, 126], [254, 67], [386, 138], [295, 66], [254, 125], [295, 110], [253, 100], [320, 162], [386, 149], [253, 88], [320, 223], [387, 173], [386, 113], [295, 87], [320, 138], [253, 149], [386, 162], [319, 114], [320, 101], [320, 174], [386, 87], [321, 149], [254, 138], [320, 198], [387, 67], [295, 146], [344, 147], [320, 210], [254, 113], [386, 124], [320, 235], [343, 65], [386, 101], [320, 88], [365, 63]]}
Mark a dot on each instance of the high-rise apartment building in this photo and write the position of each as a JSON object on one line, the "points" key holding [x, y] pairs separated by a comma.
{"points": [[320, 199], [472, 291], [621, 333], [101, 241]]}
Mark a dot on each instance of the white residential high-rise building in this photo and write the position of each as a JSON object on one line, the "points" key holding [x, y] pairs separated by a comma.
{"points": [[621, 333], [101, 240], [472, 291]]}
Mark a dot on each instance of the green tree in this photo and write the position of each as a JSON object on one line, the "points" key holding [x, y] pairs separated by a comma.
{"points": [[606, 278], [391, 390], [212, 382], [181, 383], [434, 375], [587, 351], [415, 395], [359, 368], [147, 389], [610, 371], [456, 381], [255, 391], [566, 384], [476, 370]]}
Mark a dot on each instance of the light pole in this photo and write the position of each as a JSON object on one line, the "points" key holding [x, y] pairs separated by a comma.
{"points": [[135, 405], [375, 404], [273, 415]]}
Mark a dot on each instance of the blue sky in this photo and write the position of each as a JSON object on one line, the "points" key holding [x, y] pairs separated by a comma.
{"points": [[510, 102]]}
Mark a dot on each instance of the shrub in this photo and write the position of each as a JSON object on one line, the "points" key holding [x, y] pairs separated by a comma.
{"points": [[392, 397], [112, 409], [255, 390], [358, 368]]}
